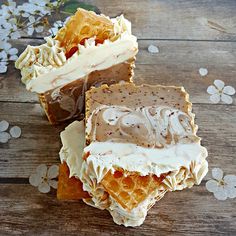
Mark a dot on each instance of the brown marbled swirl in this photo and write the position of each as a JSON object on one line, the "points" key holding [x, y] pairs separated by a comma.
{"points": [[151, 126]]}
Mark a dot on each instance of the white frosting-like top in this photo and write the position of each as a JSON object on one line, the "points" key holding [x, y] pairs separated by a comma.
{"points": [[45, 67], [38, 60]]}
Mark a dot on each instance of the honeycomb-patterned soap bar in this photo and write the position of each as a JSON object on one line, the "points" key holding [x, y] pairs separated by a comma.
{"points": [[130, 190], [84, 25]]}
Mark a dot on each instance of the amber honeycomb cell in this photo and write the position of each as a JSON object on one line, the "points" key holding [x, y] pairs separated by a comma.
{"points": [[83, 25], [69, 188], [130, 190]]}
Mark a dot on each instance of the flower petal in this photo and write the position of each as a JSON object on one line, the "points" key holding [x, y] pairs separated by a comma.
{"points": [[220, 194], [153, 49], [3, 69], [53, 171], [3, 55], [219, 84], [212, 89], [15, 132], [35, 180], [226, 99], [4, 137], [13, 58], [211, 185], [13, 51], [53, 183], [44, 187], [4, 125], [203, 71], [30, 31], [230, 180], [41, 170], [215, 98], [31, 19], [39, 29], [217, 173], [229, 90], [15, 35], [231, 192]]}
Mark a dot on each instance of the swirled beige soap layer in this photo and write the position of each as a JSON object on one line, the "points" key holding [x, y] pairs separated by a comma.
{"points": [[150, 126]]}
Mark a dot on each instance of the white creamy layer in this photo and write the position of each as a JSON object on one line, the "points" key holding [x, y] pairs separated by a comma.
{"points": [[133, 158], [40, 77]]}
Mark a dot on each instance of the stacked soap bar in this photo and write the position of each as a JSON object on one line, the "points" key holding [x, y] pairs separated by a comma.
{"points": [[89, 50], [140, 142]]}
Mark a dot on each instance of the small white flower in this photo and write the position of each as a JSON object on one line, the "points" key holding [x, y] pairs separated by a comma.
{"points": [[222, 188], [220, 92], [153, 49], [44, 178], [31, 26], [8, 53]]}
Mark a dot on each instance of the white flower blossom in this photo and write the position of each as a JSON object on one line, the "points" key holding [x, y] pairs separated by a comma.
{"points": [[44, 178], [222, 187], [220, 92], [7, 53]]}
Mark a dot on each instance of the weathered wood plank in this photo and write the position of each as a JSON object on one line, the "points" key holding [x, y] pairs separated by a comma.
{"points": [[40, 142], [191, 212], [177, 64], [180, 19]]}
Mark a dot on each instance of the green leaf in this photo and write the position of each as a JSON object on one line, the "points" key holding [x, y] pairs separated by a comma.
{"points": [[71, 7]]}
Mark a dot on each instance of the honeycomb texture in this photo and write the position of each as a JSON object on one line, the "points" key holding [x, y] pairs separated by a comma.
{"points": [[83, 25], [130, 190]]}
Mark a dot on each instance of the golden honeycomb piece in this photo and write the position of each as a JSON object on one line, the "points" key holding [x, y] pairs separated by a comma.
{"points": [[129, 191], [81, 26]]}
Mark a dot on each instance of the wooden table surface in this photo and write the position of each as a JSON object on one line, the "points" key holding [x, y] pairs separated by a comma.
{"points": [[190, 34]]}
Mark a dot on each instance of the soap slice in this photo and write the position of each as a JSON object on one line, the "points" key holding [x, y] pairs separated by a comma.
{"points": [[133, 97], [141, 142]]}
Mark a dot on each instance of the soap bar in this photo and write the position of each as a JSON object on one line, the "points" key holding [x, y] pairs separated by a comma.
{"points": [[89, 50]]}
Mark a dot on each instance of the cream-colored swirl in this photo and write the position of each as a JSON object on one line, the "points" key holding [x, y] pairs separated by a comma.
{"points": [[37, 60], [157, 127]]}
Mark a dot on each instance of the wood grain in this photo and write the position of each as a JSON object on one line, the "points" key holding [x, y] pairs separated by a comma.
{"points": [[191, 212], [179, 19]]}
